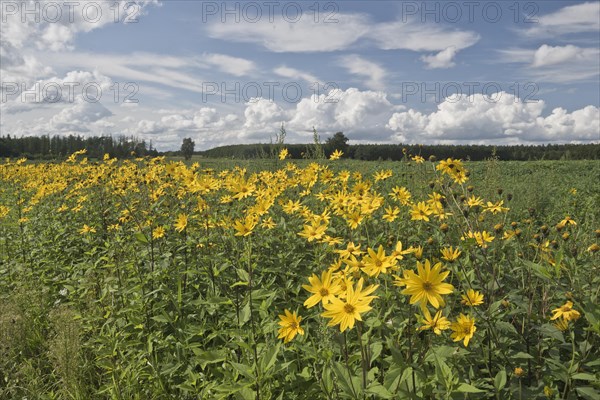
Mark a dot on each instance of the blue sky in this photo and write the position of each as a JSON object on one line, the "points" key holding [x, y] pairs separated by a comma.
{"points": [[380, 71]]}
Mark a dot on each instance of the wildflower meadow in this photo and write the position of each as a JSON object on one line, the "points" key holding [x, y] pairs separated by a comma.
{"points": [[155, 278]]}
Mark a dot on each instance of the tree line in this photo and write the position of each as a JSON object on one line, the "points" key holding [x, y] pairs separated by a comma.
{"points": [[57, 147], [394, 152]]}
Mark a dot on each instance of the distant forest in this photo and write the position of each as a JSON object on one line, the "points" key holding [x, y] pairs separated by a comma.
{"points": [[394, 152], [58, 147]]}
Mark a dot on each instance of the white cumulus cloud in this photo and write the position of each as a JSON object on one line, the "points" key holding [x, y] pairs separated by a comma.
{"points": [[502, 118]]}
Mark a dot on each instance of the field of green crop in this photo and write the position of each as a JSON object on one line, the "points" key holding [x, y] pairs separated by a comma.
{"points": [[280, 279]]}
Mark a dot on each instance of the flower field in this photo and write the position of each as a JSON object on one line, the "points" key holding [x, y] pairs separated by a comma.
{"points": [[279, 279]]}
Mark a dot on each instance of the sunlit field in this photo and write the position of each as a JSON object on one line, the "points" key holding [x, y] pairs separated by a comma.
{"points": [[157, 278]]}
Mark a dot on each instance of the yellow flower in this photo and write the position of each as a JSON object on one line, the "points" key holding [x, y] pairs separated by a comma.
{"points": [[323, 290], [87, 229], [566, 312], [382, 175], [398, 253], [347, 311], [420, 212], [495, 208], [426, 286], [158, 232], [449, 254], [268, 223], [464, 328], [473, 201], [481, 238], [417, 252], [418, 159], [401, 194], [391, 214], [350, 250], [519, 372], [283, 154], [314, 231], [244, 227], [242, 189], [181, 223], [331, 240], [291, 206], [290, 326], [336, 155], [472, 298], [561, 324], [376, 263], [354, 219], [568, 221], [438, 323]]}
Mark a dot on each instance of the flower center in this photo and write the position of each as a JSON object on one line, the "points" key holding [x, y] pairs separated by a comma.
{"points": [[427, 286], [293, 325], [378, 263], [324, 292], [349, 308]]}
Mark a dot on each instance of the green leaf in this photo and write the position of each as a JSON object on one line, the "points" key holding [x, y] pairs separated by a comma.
{"points": [[269, 358], [326, 380], [377, 389], [392, 379], [521, 355], [375, 350], [245, 314], [243, 369], [164, 318], [140, 237], [208, 357], [344, 379], [500, 380], [538, 270], [582, 376], [506, 327], [247, 393], [588, 393], [466, 388]]}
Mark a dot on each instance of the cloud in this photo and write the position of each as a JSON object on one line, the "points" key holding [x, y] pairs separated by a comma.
{"points": [[414, 36], [352, 111], [560, 64], [52, 91], [157, 69], [295, 74], [305, 35], [232, 65], [21, 40], [361, 114], [572, 19], [550, 55], [78, 117], [262, 113], [308, 36], [357, 65], [443, 59], [477, 119]]}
